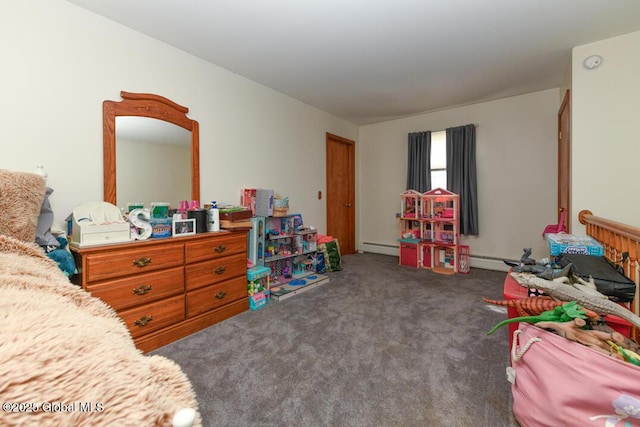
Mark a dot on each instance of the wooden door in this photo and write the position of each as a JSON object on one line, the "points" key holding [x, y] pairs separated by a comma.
{"points": [[341, 192], [564, 158]]}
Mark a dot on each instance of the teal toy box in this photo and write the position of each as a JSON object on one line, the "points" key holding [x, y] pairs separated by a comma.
{"points": [[160, 227], [257, 273], [258, 300], [571, 244], [258, 286]]}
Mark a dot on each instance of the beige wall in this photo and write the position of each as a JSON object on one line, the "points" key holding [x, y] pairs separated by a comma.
{"points": [[59, 62], [605, 139], [516, 165], [566, 82]]}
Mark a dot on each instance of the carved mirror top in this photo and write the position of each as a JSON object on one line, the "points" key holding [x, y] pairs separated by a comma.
{"points": [[152, 106]]}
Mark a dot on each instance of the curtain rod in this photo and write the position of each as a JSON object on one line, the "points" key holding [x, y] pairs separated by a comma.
{"points": [[475, 125]]}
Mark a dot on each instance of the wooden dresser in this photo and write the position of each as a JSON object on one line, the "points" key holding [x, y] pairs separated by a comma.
{"points": [[166, 289]]}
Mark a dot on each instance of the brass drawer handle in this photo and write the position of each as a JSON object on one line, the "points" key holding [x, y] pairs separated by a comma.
{"points": [[142, 289], [221, 294], [144, 321], [220, 248], [142, 262], [220, 270]]}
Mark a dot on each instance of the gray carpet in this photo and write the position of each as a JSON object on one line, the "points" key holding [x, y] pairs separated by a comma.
{"points": [[379, 345]]}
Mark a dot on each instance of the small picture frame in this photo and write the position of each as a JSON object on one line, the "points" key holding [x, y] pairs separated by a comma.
{"points": [[184, 227]]}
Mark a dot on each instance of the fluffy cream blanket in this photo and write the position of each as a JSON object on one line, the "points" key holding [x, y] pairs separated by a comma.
{"points": [[66, 359]]}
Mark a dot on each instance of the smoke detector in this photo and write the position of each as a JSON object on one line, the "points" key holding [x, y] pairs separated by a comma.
{"points": [[592, 62]]}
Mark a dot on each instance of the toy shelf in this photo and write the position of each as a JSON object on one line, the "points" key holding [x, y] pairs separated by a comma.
{"points": [[280, 236], [285, 270], [276, 258], [287, 249]]}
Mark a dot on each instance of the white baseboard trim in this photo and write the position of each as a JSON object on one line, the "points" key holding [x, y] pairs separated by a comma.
{"points": [[486, 263], [379, 248]]}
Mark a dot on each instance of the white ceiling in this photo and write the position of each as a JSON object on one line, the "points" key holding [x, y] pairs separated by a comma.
{"points": [[373, 60]]}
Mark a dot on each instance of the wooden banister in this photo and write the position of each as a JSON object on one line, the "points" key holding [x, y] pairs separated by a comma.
{"points": [[617, 239]]}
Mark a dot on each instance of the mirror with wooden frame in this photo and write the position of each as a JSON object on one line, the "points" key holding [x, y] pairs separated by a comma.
{"points": [[151, 151]]}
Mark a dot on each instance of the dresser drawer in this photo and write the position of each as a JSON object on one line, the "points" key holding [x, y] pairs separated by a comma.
{"points": [[106, 265], [215, 296], [220, 246], [140, 289], [154, 316], [216, 271]]}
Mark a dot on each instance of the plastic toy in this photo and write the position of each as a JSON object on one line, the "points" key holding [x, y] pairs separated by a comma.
{"points": [[559, 227], [258, 279], [271, 250], [564, 313]]}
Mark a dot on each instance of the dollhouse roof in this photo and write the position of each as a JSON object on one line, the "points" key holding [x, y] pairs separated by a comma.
{"points": [[411, 193], [439, 192]]}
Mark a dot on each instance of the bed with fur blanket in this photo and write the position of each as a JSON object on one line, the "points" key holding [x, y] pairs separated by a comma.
{"points": [[66, 358]]}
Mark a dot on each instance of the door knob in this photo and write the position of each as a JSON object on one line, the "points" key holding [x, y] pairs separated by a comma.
{"points": [[348, 205]]}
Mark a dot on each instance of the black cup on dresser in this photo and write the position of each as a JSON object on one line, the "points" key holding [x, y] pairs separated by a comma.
{"points": [[201, 218]]}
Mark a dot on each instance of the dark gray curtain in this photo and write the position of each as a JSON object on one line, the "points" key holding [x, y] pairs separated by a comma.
{"points": [[419, 161], [461, 174]]}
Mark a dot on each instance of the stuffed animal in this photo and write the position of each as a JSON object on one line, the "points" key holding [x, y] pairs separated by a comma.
{"points": [[63, 257]]}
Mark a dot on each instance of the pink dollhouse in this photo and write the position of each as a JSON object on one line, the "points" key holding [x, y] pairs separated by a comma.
{"points": [[429, 232]]}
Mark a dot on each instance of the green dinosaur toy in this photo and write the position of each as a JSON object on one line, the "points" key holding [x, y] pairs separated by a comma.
{"points": [[563, 313]]}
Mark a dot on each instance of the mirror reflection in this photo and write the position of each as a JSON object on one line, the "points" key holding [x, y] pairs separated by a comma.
{"points": [[154, 161]]}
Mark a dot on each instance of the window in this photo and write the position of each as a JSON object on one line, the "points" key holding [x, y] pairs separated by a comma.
{"points": [[439, 159]]}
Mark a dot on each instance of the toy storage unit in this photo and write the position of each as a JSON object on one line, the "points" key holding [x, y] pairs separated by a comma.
{"points": [[429, 232], [289, 253]]}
